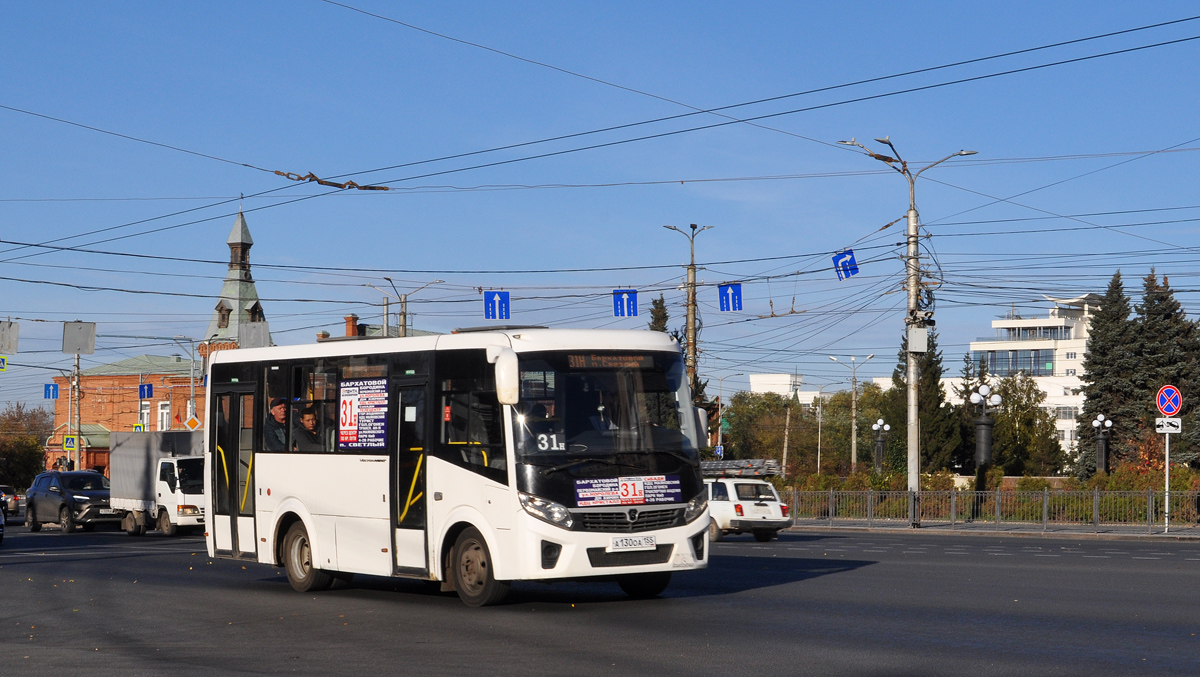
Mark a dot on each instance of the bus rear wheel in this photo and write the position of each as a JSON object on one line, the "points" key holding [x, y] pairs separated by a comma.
{"points": [[474, 579], [297, 556], [644, 586]]}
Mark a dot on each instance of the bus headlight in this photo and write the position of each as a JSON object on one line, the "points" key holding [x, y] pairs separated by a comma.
{"points": [[696, 506], [547, 511]]}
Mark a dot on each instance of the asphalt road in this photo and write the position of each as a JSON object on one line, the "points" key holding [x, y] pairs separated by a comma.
{"points": [[810, 603]]}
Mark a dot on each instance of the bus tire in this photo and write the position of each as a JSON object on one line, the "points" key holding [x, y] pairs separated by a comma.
{"points": [[645, 586], [473, 575], [164, 524], [34, 525], [66, 520], [714, 532], [297, 560]]}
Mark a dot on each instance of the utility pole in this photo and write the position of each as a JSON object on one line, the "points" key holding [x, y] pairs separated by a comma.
{"points": [[787, 426], [403, 299], [916, 321], [75, 390], [387, 318], [853, 366], [690, 331]]}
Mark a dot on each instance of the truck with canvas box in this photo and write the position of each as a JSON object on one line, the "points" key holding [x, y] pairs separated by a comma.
{"points": [[158, 481]]}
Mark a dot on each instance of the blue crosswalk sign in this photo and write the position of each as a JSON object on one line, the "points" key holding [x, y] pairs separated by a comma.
{"points": [[731, 296], [51, 391], [845, 265], [624, 303], [495, 305], [145, 391]]}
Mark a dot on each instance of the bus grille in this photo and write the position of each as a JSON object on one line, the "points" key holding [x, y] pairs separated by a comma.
{"points": [[618, 522], [659, 555]]}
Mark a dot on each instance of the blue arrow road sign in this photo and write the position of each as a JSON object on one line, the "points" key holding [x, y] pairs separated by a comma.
{"points": [[624, 303], [719, 450], [495, 305], [845, 265], [145, 391], [51, 391], [1169, 400], [731, 296]]}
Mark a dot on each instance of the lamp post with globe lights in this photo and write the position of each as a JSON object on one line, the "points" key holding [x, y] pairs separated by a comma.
{"points": [[1103, 428], [881, 430], [984, 397]]}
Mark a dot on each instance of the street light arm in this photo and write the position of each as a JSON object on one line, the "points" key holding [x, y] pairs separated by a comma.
{"points": [[948, 157]]}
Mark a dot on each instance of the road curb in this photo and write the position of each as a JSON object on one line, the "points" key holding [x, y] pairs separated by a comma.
{"points": [[996, 534]]}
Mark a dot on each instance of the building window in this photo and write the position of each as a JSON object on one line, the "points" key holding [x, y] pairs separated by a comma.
{"points": [[1062, 435], [164, 415], [144, 413], [223, 312], [1070, 372], [1072, 356], [1067, 413], [256, 313]]}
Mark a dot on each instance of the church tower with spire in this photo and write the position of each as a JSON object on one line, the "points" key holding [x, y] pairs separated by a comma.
{"points": [[238, 320]]}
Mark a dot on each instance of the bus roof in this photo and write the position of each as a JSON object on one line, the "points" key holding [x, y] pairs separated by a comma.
{"points": [[520, 339]]}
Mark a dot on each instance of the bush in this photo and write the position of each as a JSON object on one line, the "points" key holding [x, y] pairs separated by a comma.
{"points": [[1032, 484]]}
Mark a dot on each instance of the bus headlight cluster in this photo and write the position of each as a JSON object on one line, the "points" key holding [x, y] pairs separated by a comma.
{"points": [[547, 511], [696, 506]]}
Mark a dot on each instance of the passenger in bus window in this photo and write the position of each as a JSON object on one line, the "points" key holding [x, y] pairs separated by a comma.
{"points": [[275, 429], [306, 436]]}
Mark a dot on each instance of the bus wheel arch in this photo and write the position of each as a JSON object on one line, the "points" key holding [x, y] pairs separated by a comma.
{"points": [[446, 550], [281, 529]]}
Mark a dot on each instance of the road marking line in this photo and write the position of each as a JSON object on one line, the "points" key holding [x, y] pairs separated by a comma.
{"points": [[1047, 555], [1096, 557], [1147, 558]]}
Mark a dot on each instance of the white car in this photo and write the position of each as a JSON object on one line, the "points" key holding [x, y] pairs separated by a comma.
{"points": [[741, 505]]}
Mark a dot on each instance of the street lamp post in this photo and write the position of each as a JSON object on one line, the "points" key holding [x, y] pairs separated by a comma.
{"points": [[721, 407], [853, 367], [1103, 428], [690, 330], [403, 299], [881, 430], [820, 410], [984, 397], [914, 318]]}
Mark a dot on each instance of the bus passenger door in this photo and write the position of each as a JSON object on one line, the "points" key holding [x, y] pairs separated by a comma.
{"points": [[409, 490], [233, 472]]}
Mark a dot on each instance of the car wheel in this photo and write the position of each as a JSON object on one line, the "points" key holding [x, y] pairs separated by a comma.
{"points": [[474, 579], [297, 556], [164, 524], [66, 520], [714, 532], [34, 525], [763, 536], [645, 586]]}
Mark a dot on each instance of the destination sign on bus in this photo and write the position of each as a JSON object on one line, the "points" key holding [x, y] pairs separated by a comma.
{"points": [[643, 490], [589, 361], [362, 422]]}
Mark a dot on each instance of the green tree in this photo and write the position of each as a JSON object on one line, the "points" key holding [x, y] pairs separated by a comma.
{"points": [[940, 430], [1109, 366], [973, 375], [22, 432], [1024, 441], [659, 317], [1168, 348]]}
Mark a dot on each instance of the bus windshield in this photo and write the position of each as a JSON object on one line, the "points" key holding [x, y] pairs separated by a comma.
{"points": [[593, 405]]}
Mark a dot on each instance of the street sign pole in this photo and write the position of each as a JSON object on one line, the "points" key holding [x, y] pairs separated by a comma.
{"points": [[1169, 401], [1167, 489]]}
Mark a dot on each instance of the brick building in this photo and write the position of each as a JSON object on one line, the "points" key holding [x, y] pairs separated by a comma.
{"points": [[109, 398]]}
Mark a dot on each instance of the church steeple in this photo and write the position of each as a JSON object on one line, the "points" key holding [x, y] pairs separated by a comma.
{"points": [[238, 320]]}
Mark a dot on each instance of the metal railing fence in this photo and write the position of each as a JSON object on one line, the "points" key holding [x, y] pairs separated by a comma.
{"points": [[1046, 509]]}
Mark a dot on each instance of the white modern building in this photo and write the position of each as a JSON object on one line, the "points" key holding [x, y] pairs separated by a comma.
{"points": [[1050, 349], [784, 385]]}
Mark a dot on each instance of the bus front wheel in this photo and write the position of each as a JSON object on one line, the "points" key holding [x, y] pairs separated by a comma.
{"points": [[474, 579], [297, 555]]}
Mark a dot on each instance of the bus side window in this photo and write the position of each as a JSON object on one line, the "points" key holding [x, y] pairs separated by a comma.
{"points": [[472, 435]]}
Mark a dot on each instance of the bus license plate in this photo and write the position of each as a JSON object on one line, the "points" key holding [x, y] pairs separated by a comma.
{"points": [[625, 543]]}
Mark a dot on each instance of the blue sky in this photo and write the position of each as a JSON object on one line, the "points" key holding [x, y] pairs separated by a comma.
{"points": [[313, 87]]}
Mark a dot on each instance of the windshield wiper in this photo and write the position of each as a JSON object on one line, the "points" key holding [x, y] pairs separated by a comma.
{"points": [[580, 461], [686, 459]]}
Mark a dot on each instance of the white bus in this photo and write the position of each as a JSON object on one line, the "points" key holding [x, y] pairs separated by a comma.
{"points": [[475, 459]]}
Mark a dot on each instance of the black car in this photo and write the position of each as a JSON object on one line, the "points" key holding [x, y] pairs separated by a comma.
{"points": [[70, 499]]}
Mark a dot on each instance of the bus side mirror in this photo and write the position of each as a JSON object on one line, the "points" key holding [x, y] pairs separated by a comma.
{"points": [[508, 385]]}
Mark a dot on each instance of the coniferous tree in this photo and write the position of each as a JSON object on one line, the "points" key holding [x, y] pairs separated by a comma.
{"points": [[1166, 345], [940, 435], [1108, 369], [973, 375], [659, 317]]}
